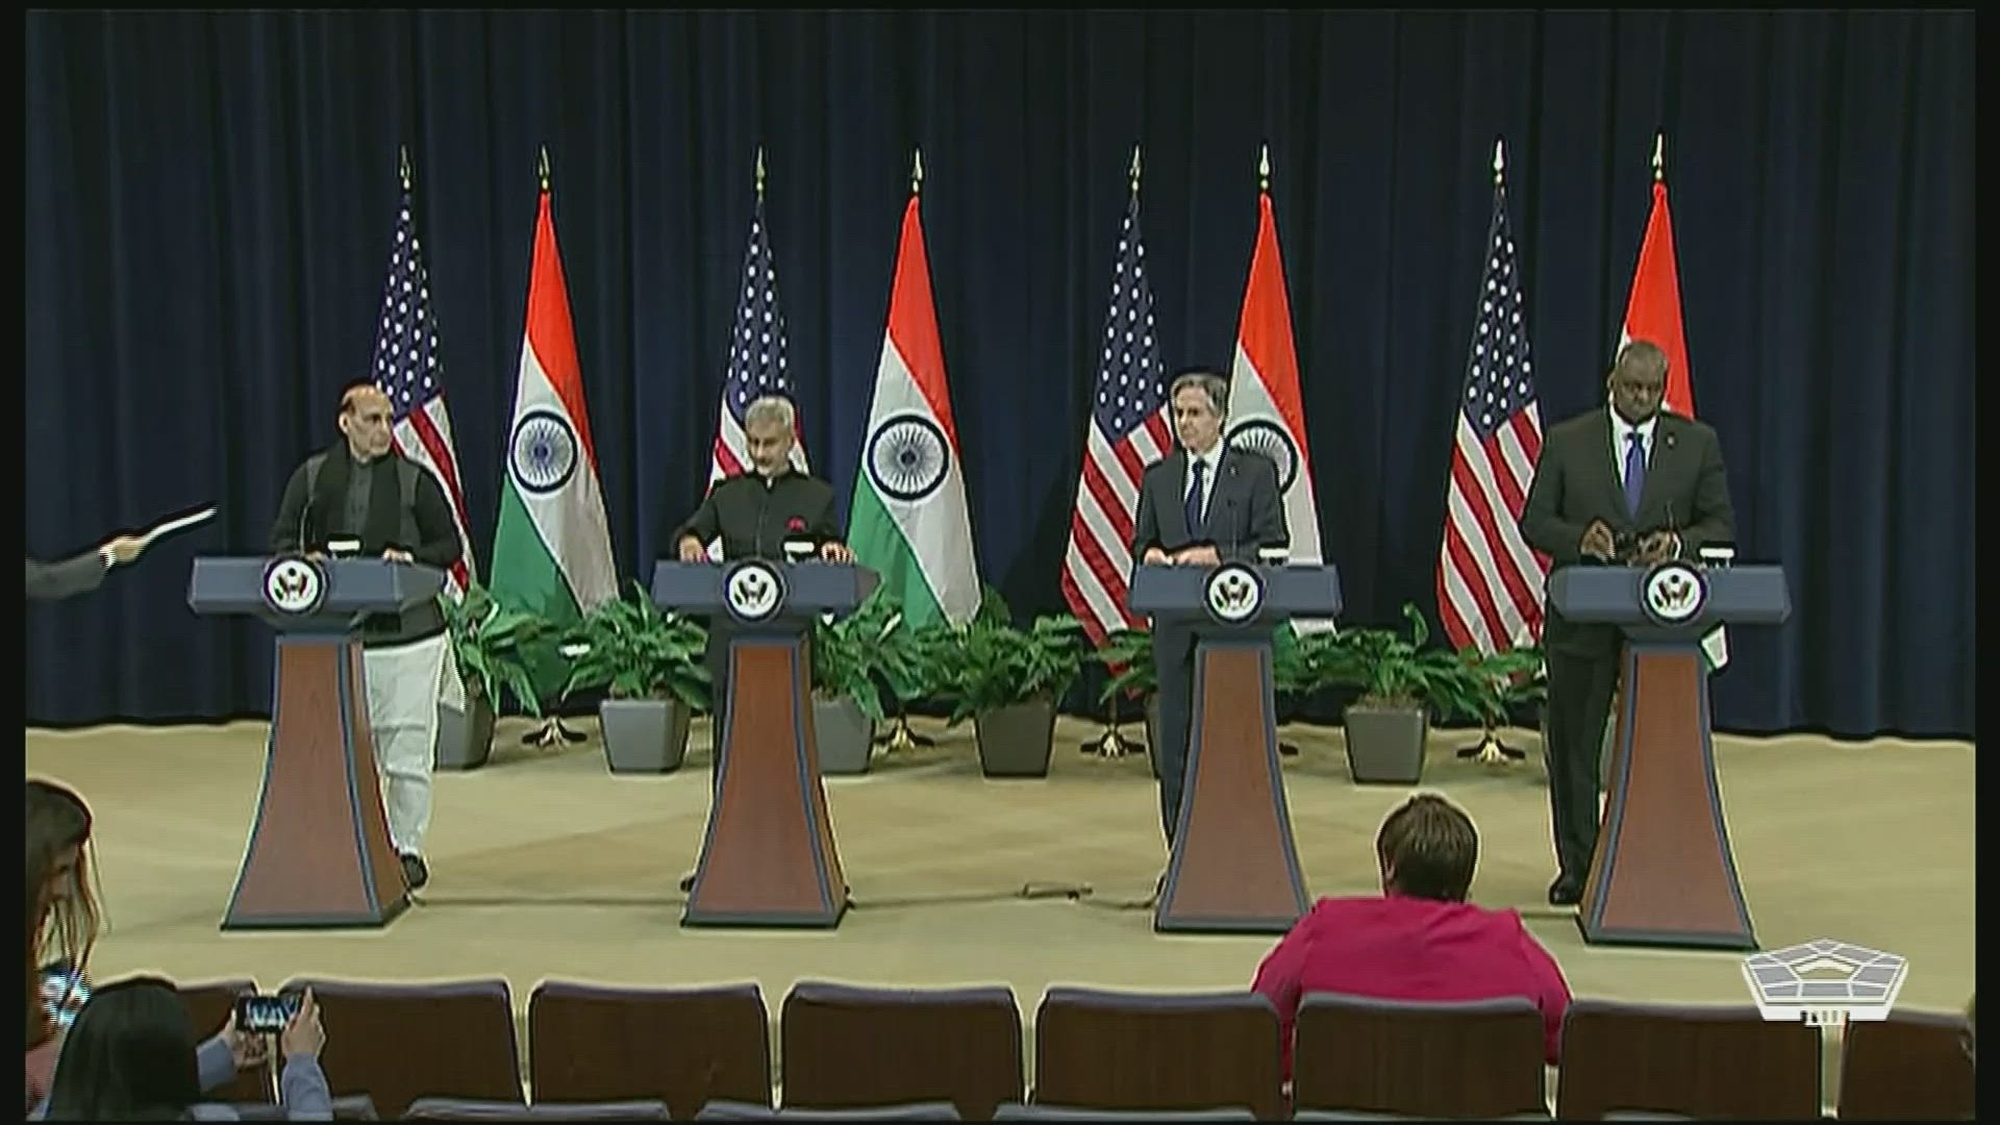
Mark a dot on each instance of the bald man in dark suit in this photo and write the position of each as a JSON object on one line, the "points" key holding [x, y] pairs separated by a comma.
{"points": [[1630, 483]]}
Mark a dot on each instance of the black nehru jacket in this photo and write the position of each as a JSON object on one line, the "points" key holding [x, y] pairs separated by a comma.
{"points": [[755, 516]]}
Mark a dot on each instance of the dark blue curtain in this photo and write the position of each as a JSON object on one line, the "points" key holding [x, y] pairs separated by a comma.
{"points": [[210, 200]]}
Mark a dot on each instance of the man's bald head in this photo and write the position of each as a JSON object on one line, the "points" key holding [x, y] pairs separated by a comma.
{"points": [[365, 419]]}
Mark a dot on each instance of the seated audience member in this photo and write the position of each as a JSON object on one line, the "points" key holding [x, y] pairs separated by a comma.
{"points": [[131, 1056], [62, 922], [1419, 941]]}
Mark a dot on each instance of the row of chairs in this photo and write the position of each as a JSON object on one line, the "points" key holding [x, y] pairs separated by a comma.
{"points": [[845, 1047]]}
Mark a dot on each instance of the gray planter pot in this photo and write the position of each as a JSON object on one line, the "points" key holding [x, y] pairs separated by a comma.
{"points": [[1385, 745], [644, 735], [845, 736], [1016, 741], [464, 738]]}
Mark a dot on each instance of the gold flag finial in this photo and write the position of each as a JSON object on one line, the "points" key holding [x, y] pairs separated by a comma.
{"points": [[403, 165], [1264, 167], [545, 168], [917, 173], [760, 172], [1659, 157], [1499, 158], [1135, 169]]}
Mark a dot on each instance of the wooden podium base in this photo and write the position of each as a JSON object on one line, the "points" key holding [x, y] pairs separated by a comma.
{"points": [[1234, 866], [319, 855], [769, 857], [1663, 874]]}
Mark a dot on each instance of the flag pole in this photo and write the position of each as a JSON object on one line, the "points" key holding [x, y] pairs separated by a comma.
{"points": [[1490, 751], [901, 739], [552, 733], [1285, 749], [1112, 743]]}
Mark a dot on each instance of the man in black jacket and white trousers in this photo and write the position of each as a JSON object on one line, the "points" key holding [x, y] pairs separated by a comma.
{"points": [[362, 489], [1202, 505]]}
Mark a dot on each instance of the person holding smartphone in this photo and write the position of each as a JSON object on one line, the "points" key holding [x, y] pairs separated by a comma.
{"points": [[131, 1056]]}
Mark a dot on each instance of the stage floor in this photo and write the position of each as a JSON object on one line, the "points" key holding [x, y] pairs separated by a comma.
{"points": [[546, 866]]}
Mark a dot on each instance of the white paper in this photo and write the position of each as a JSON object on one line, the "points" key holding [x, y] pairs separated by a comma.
{"points": [[178, 523], [1716, 645]]}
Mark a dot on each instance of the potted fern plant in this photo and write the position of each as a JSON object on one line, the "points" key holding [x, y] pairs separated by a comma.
{"points": [[489, 645], [1128, 656], [1007, 680], [653, 669], [1402, 685], [851, 658]]}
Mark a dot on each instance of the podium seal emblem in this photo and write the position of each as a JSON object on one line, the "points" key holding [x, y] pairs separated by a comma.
{"points": [[1234, 593], [294, 585], [1673, 593], [753, 590]]}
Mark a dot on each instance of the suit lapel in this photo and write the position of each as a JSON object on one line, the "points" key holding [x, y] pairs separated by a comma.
{"points": [[1176, 498]]}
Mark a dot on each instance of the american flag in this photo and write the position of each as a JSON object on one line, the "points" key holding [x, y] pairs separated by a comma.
{"points": [[407, 370], [756, 353], [1128, 431], [1489, 582]]}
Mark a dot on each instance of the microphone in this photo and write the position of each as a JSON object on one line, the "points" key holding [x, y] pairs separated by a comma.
{"points": [[1671, 530], [1233, 536]]}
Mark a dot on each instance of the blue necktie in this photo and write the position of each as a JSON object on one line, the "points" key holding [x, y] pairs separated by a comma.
{"points": [[1635, 472], [1194, 500]]}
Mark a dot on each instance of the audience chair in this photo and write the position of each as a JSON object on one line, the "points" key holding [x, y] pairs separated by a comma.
{"points": [[1131, 1051], [1700, 1061], [1910, 1067], [400, 1042], [846, 1047], [460, 1109], [684, 1046], [1476, 1059], [739, 1111]]}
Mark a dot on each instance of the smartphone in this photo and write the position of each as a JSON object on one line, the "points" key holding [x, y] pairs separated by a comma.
{"points": [[266, 1015], [64, 992]]}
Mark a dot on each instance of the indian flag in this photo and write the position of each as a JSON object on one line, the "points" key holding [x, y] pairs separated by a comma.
{"points": [[910, 523], [1267, 413], [552, 548]]}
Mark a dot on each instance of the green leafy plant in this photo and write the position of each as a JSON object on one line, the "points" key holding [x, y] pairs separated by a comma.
{"points": [[1393, 672], [853, 656], [1497, 684], [991, 664], [629, 647], [1302, 665], [1128, 656], [496, 647]]}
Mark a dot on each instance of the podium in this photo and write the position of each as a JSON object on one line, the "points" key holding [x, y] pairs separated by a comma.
{"points": [[1663, 873], [768, 858], [1234, 867], [319, 855]]}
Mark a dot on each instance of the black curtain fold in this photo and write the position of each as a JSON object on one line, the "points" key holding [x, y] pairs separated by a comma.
{"points": [[210, 200]]}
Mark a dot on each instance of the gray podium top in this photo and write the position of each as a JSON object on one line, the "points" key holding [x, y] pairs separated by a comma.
{"points": [[805, 589], [1618, 595], [329, 594], [1181, 593]]}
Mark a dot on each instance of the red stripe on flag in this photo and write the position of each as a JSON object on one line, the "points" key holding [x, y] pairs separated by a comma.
{"points": [[913, 326], [1653, 311], [1265, 332], [551, 334]]}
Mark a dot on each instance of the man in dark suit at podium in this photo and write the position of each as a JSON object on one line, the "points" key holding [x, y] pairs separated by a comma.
{"points": [[1201, 505], [362, 489], [1631, 484], [83, 573], [754, 514]]}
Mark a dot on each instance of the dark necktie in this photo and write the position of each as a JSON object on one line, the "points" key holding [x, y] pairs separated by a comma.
{"points": [[1635, 472], [1194, 500]]}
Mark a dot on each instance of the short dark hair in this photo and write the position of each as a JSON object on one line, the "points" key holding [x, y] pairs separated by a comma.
{"points": [[130, 1056], [1641, 357], [1428, 848]]}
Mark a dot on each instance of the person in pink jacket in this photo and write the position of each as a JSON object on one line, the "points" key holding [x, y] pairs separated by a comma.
{"points": [[1419, 940]]}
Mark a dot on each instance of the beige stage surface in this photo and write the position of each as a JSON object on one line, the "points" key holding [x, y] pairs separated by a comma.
{"points": [[547, 866]]}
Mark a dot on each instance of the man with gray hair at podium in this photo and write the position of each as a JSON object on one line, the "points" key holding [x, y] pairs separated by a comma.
{"points": [[1629, 484], [363, 491], [754, 514]]}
